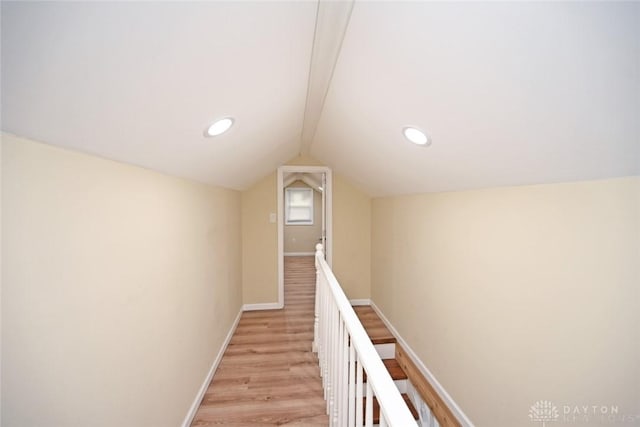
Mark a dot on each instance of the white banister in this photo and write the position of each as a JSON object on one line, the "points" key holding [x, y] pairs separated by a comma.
{"points": [[344, 353]]}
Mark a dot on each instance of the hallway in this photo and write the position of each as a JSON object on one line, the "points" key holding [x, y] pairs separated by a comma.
{"points": [[268, 375]]}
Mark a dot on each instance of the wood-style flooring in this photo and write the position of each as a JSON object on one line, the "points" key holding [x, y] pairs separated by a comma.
{"points": [[269, 375]]}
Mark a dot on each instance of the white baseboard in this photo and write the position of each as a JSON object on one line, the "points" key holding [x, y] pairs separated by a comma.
{"points": [[262, 306], [203, 389], [299, 253], [457, 412], [360, 302]]}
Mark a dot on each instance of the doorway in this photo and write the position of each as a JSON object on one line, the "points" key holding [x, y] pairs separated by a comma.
{"points": [[319, 179]]}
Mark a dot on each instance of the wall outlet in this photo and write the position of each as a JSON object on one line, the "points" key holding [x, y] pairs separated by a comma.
{"points": [[272, 218]]}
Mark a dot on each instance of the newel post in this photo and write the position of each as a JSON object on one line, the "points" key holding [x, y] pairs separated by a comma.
{"points": [[319, 253]]}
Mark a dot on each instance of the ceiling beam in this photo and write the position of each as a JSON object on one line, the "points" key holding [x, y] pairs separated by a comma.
{"points": [[332, 20]]}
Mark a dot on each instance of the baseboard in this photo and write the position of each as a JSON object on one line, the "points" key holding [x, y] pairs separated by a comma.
{"points": [[356, 302], [203, 389], [462, 418], [262, 306], [299, 253]]}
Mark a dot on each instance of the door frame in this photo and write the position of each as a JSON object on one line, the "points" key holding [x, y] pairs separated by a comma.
{"points": [[328, 194]]}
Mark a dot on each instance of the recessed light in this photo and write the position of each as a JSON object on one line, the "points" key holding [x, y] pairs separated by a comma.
{"points": [[416, 136], [219, 127]]}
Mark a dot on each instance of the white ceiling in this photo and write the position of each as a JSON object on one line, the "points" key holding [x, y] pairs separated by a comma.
{"points": [[511, 92], [140, 81]]}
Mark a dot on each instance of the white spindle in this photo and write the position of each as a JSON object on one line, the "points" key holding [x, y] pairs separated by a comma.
{"points": [[333, 330], [316, 313], [336, 365], [321, 332], [359, 394], [351, 422], [344, 386], [325, 334], [338, 407], [368, 419]]}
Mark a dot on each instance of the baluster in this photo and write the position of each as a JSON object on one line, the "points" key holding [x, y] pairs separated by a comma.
{"points": [[336, 365], [351, 421], [337, 414], [321, 331], [316, 313], [369, 403], [325, 342], [359, 394], [325, 334], [345, 376], [330, 356], [316, 309]]}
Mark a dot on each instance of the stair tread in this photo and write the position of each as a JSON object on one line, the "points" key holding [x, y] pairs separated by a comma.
{"points": [[394, 368], [374, 326], [376, 408]]}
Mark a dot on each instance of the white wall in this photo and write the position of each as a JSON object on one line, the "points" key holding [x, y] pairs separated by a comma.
{"points": [[119, 286], [514, 295]]}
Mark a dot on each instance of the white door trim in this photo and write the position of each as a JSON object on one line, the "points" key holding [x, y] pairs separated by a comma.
{"points": [[328, 191]]}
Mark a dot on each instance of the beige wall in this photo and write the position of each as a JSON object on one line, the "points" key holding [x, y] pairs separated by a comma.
{"points": [[514, 295], [119, 287], [351, 238], [304, 238], [259, 243]]}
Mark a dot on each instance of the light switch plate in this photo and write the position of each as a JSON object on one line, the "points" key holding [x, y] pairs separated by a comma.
{"points": [[272, 218]]}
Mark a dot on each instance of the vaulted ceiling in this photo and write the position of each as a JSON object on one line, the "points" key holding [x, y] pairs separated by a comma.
{"points": [[510, 93]]}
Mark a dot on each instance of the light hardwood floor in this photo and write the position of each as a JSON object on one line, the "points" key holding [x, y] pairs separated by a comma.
{"points": [[268, 374]]}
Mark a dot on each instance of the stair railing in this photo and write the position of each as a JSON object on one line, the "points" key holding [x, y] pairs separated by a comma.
{"points": [[345, 352]]}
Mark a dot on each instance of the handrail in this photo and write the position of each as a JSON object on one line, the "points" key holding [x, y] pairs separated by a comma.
{"points": [[344, 352]]}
